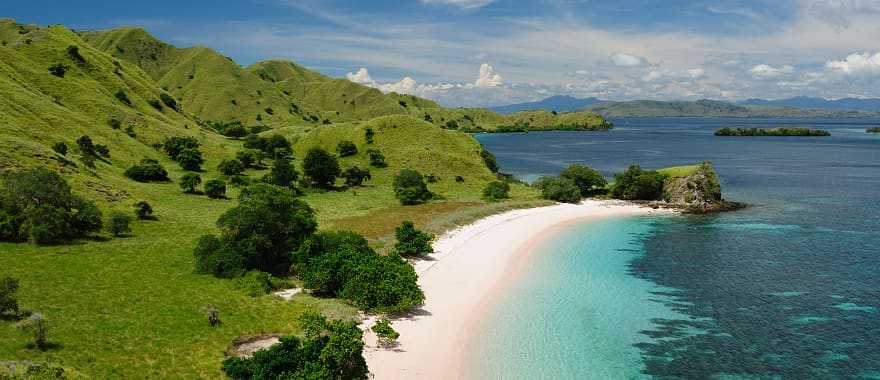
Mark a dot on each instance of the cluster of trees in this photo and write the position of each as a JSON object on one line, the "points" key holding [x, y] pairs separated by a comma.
{"points": [[412, 242], [272, 146], [873, 130], [573, 184], [37, 205], [148, 170], [638, 184], [496, 191], [185, 151], [410, 187], [234, 129], [329, 350], [727, 131], [88, 149]]}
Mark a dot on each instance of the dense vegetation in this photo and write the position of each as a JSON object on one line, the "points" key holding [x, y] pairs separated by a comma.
{"points": [[771, 132], [638, 184], [873, 130]]}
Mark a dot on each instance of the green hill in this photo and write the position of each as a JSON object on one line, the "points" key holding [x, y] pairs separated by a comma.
{"points": [[711, 108]]}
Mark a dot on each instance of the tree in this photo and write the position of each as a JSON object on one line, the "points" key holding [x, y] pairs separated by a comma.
{"points": [[230, 167], [190, 159], [355, 176], [258, 234], [169, 101], [190, 182], [386, 334], [58, 70], [119, 224], [321, 167], [369, 134], [122, 97], [36, 326], [248, 158], [86, 147], [412, 242], [215, 188], [638, 184], [489, 160], [559, 189], [143, 210], [346, 148], [8, 300], [174, 145], [377, 159], [282, 173], [148, 170], [496, 190], [586, 179], [410, 187], [60, 148]]}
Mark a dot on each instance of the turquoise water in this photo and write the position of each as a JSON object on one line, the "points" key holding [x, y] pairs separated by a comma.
{"points": [[788, 288]]}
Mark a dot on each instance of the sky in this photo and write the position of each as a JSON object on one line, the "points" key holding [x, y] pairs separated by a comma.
{"points": [[494, 52]]}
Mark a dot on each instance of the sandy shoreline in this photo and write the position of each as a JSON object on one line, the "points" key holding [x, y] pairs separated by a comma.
{"points": [[471, 264]]}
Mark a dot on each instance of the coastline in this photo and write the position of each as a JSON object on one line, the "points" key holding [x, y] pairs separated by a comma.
{"points": [[469, 267]]}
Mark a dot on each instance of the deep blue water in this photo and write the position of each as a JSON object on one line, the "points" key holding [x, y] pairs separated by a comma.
{"points": [[789, 287]]}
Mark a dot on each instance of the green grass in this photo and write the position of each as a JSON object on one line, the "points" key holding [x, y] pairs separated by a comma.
{"points": [[679, 171]]}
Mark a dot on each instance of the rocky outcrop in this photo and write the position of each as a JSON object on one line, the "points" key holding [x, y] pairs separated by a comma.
{"points": [[697, 192]]}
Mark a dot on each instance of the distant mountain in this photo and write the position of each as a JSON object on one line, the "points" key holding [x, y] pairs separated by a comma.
{"points": [[558, 103], [872, 105], [712, 108]]}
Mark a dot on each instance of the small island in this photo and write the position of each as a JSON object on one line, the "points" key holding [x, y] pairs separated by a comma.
{"points": [[873, 130], [776, 132]]}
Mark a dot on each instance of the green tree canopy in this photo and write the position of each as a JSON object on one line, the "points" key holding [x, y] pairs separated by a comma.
{"points": [[321, 167], [586, 179], [638, 184], [410, 187]]}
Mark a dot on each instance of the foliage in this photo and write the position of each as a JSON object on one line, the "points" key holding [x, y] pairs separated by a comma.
{"points": [[558, 189], [73, 52], [8, 299], [331, 350], [213, 314], [248, 158], [143, 210], [60, 148], [215, 188], [282, 173], [386, 334], [638, 184], [122, 97], [496, 191], [169, 101], [873, 130], [346, 148], [255, 283], [148, 170], [369, 135], [58, 70], [377, 159], [86, 146], [231, 167], [37, 327], [190, 159], [799, 132], [410, 188], [489, 160], [412, 242], [273, 146], [38, 205], [258, 234], [119, 224], [586, 179], [355, 176], [321, 167], [184, 150], [342, 264], [234, 129], [190, 182]]}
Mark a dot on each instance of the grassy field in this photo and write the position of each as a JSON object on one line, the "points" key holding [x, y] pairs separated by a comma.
{"points": [[679, 171]]}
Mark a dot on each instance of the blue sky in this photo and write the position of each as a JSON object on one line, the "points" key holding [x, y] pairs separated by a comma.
{"points": [[488, 52]]}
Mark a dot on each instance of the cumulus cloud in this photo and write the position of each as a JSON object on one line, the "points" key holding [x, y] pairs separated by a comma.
{"points": [[362, 76], [628, 60], [764, 71], [855, 64], [464, 4], [488, 77]]}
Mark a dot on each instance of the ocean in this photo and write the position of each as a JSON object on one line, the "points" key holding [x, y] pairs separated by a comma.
{"points": [[787, 288]]}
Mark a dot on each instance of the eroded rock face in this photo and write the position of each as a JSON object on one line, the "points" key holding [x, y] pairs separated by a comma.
{"points": [[699, 191]]}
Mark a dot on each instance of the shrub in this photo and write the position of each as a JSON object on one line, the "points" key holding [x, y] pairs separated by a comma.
{"points": [[38, 205], [155, 103], [8, 299], [190, 182], [386, 334], [638, 184], [321, 167], [489, 160], [248, 158], [459, 179], [239, 180], [255, 283], [86, 146], [73, 52], [346, 148], [119, 224], [60, 148], [355, 176], [496, 190], [412, 242], [410, 188], [282, 173], [369, 134], [143, 210], [58, 70], [102, 150], [215, 188], [230, 167], [332, 350], [559, 189], [174, 145], [258, 234], [38, 328], [114, 123], [147, 170], [377, 159], [586, 179], [169, 101], [190, 159], [122, 97]]}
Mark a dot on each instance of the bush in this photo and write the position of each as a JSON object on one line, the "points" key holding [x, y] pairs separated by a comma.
{"points": [[147, 170], [369, 134], [377, 159], [346, 148], [174, 145], [586, 179], [38, 205], [60, 148], [73, 52], [37, 327], [489, 160], [190, 159], [122, 97], [230, 167], [119, 224], [215, 188], [169, 101], [282, 173], [355, 176], [320, 167], [155, 103], [638, 184], [559, 189], [102, 150], [248, 158], [58, 70], [8, 299], [190, 182], [233, 129], [330, 350], [496, 190], [143, 210], [386, 334], [410, 188], [412, 242], [256, 283], [342, 265], [258, 234], [86, 146]]}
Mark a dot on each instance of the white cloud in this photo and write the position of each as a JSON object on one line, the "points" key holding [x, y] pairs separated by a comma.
{"points": [[764, 71], [627, 60], [859, 63], [696, 73], [464, 4], [487, 77], [362, 76]]}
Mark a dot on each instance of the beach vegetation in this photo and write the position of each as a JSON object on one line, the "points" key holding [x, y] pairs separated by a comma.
{"points": [[386, 334], [412, 242], [638, 184], [558, 189], [873, 130], [496, 191], [588, 180]]}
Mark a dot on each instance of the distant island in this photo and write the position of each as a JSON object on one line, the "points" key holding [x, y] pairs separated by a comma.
{"points": [[799, 132], [873, 130]]}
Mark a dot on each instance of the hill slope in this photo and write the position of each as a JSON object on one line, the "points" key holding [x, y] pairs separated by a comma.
{"points": [[709, 108], [558, 103]]}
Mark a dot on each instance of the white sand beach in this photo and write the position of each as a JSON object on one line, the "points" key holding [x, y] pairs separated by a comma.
{"points": [[469, 265]]}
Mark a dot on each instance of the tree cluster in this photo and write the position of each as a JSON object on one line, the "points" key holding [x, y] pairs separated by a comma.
{"points": [[410, 188], [638, 184], [148, 170], [185, 151], [412, 242]]}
